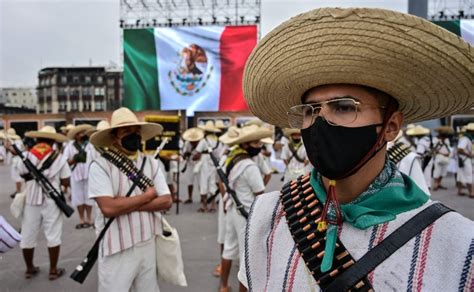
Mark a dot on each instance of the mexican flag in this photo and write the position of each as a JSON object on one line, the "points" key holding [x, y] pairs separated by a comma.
{"points": [[194, 68], [461, 27]]}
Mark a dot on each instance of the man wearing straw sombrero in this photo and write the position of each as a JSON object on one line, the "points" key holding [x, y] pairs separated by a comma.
{"points": [[14, 161], [207, 172], [191, 138], [464, 152], [246, 180], [349, 78], [78, 152], [127, 257], [40, 211], [442, 155]]}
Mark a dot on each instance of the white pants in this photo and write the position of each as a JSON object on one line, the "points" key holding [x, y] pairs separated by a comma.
{"points": [[234, 235], [221, 221], [47, 214], [79, 193], [465, 173], [133, 269], [14, 169], [207, 180]]}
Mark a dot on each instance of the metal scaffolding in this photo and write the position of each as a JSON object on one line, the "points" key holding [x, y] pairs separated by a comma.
{"points": [[450, 9], [157, 13]]}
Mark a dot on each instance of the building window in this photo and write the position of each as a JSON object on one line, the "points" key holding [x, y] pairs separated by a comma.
{"points": [[87, 79], [100, 79], [75, 79], [99, 91], [63, 105], [63, 79], [99, 105], [74, 105]]}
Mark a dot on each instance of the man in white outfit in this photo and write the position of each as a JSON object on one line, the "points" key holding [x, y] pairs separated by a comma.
{"points": [[127, 257], [464, 175]]}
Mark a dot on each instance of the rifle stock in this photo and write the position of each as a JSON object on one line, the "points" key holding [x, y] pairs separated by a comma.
{"points": [[45, 184]]}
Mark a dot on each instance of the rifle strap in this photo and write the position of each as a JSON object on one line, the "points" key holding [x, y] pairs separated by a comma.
{"points": [[46, 165], [294, 152]]}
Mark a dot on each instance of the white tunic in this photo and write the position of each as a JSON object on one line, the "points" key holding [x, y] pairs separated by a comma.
{"points": [[294, 167], [465, 173], [106, 180], [438, 259], [81, 170]]}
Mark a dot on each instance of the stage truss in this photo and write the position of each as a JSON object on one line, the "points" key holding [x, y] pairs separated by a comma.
{"points": [[450, 9], [158, 13]]}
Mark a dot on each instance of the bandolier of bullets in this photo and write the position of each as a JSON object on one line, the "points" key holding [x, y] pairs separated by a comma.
{"points": [[397, 152], [303, 212], [126, 166]]}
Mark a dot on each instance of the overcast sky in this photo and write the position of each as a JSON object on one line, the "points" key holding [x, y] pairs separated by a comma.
{"points": [[37, 33]]}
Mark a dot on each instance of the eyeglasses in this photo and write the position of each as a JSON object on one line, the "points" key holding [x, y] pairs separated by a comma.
{"points": [[337, 112]]}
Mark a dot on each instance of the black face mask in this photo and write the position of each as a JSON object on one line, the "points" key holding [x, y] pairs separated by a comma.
{"points": [[252, 151], [131, 142], [296, 141], [335, 150], [85, 138]]}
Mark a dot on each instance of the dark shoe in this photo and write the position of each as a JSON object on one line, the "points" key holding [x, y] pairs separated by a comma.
{"points": [[31, 274], [56, 275], [81, 225], [188, 201]]}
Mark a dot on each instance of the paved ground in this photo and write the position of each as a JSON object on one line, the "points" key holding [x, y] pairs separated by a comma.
{"points": [[198, 234]]}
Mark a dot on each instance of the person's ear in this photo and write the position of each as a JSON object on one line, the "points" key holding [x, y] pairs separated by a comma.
{"points": [[394, 124]]}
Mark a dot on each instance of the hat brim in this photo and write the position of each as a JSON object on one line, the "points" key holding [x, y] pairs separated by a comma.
{"points": [[208, 129], [249, 137], [104, 138], [396, 53], [76, 130], [198, 136], [52, 136]]}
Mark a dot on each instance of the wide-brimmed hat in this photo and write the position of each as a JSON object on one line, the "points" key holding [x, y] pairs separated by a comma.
{"points": [[220, 125], [268, 140], [227, 137], [248, 134], [123, 117], [287, 132], [209, 127], [11, 133], [445, 130], [67, 128], [102, 125], [399, 54], [418, 130], [78, 129], [257, 122], [193, 135], [47, 132], [469, 127]]}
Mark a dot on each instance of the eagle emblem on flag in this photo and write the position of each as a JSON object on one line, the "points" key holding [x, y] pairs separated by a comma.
{"points": [[192, 71]]}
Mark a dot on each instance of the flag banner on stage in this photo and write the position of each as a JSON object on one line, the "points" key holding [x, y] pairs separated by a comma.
{"points": [[461, 27], [194, 68]]}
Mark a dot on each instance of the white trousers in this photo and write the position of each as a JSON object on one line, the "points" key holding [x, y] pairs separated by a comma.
{"points": [[221, 221], [465, 173], [79, 195], [47, 215], [234, 235], [207, 180], [133, 269]]}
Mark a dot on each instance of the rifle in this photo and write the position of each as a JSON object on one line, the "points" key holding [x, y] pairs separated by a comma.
{"points": [[44, 183], [160, 147], [125, 165], [224, 179]]}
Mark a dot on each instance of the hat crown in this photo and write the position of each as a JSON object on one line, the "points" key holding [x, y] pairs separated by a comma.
{"points": [[123, 116], [102, 125], [233, 132], [48, 129], [11, 131]]}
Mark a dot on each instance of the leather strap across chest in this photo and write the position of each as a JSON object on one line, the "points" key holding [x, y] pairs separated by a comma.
{"points": [[303, 212]]}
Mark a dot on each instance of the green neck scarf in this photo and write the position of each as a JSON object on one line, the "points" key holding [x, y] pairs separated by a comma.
{"points": [[390, 194]]}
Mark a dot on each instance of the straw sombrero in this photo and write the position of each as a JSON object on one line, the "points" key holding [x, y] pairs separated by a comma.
{"points": [[248, 134], [228, 136], [268, 140], [78, 129], [220, 125], [428, 70], [469, 127], [210, 127], [102, 125], [47, 132], [193, 135], [417, 130], [11, 133], [287, 132], [123, 117], [445, 130], [67, 128], [257, 122]]}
